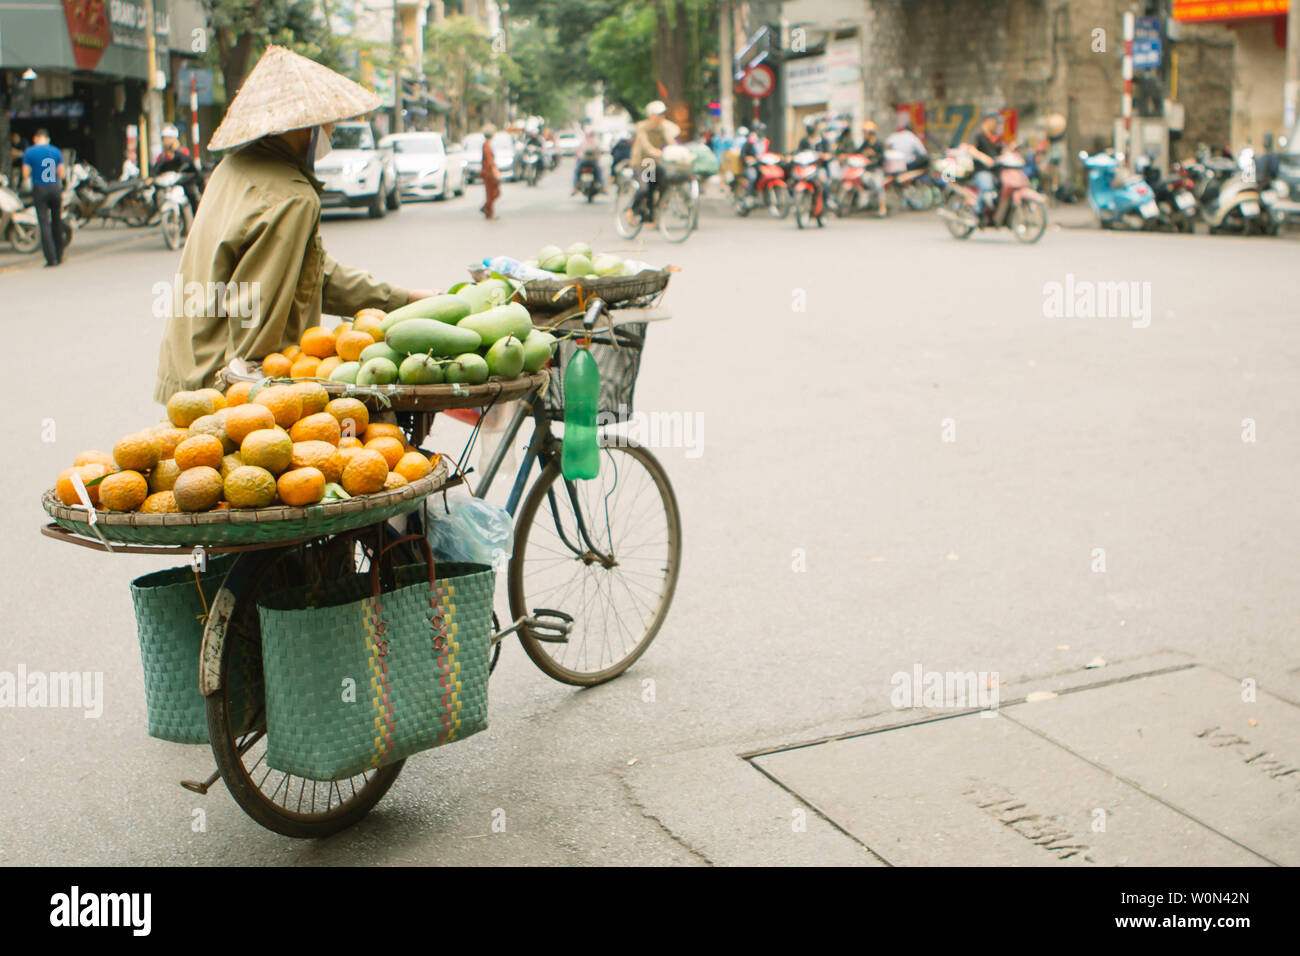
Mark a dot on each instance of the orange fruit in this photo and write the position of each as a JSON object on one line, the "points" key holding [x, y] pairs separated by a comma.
{"points": [[370, 324], [250, 487], [159, 503], [215, 425], [317, 341], [268, 448], [304, 366], [349, 410], [383, 430], [184, 408], [350, 441], [291, 353], [320, 455], [199, 450], [67, 492], [163, 475], [301, 486], [276, 365], [95, 458], [285, 404], [314, 397], [168, 439], [365, 472], [245, 419], [319, 427], [394, 480], [344, 326], [229, 463], [218, 397], [377, 314], [387, 446], [197, 489], [138, 451], [237, 394], [413, 466], [123, 491], [351, 343], [326, 366]]}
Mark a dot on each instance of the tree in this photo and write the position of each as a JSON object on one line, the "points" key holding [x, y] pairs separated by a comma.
{"points": [[242, 29], [459, 59]]}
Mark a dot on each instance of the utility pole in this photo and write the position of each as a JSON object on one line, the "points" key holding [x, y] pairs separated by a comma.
{"points": [[150, 139], [397, 69], [1291, 84], [726, 69]]}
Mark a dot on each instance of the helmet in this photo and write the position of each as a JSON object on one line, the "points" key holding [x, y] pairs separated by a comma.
{"points": [[810, 123], [170, 132], [742, 132], [1055, 125], [656, 108], [868, 126]]}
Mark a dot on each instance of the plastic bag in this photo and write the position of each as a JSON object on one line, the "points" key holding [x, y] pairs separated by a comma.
{"points": [[469, 530]]}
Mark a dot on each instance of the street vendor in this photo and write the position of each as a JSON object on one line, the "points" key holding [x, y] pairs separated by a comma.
{"points": [[254, 274]]}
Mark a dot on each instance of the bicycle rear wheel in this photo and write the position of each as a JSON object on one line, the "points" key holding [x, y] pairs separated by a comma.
{"points": [[618, 604], [287, 804], [676, 215], [627, 220]]}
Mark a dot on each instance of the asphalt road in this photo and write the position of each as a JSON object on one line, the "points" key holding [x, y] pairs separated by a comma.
{"points": [[904, 460]]}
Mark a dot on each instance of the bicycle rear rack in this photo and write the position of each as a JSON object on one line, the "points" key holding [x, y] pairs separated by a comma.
{"points": [[544, 624]]}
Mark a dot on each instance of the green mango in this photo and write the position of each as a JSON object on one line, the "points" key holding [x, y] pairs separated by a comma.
{"points": [[419, 370], [347, 372], [377, 371], [382, 350], [499, 292], [505, 358], [470, 368], [478, 298], [549, 252], [538, 348], [579, 249], [578, 265]]}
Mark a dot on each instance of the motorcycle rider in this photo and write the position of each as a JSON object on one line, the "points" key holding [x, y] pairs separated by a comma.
{"points": [[983, 148], [652, 134], [588, 156], [749, 157], [903, 140], [814, 137], [174, 158], [532, 137], [873, 152]]}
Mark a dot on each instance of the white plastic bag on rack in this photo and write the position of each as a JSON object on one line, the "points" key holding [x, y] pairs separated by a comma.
{"points": [[468, 529]]}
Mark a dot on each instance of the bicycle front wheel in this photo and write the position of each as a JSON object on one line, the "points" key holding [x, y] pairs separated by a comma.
{"points": [[627, 219], [676, 215], [607, 551]]}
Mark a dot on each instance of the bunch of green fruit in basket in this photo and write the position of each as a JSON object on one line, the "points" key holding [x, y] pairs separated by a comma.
{"points": [[472, 333], [579, 262]]}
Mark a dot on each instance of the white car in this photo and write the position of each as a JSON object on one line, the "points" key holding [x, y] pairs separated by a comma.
{"points": [[358, 174], [568, 143], [425, 169]]}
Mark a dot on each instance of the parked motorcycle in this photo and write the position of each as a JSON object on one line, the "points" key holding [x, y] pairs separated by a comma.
{"points": [[809, 190], [769, 189], [1230, 198], [19, 225], [856, 188], [1019, 207], [1175, 195], [1118, 197], [129, 201]]}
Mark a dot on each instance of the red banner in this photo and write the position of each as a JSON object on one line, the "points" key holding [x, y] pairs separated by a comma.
{"points": [[1192, 10], [89, 30]]}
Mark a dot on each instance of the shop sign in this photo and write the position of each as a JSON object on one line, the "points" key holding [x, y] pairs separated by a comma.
{"points": [[89, 29], [1192, 10]]}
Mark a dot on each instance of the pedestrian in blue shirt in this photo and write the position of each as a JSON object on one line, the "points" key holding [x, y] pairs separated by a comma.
{"points": [[43, 164]]}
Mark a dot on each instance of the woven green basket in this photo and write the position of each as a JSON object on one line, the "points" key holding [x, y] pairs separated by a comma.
{"points": [[169, 616], [355, 682]]}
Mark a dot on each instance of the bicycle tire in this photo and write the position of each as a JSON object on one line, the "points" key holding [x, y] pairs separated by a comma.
{"points": [[673, 195], [525, 524], [627, 221], [254, 572]]}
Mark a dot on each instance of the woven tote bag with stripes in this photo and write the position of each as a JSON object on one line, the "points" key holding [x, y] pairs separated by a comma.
{"points": [[361, 676]]}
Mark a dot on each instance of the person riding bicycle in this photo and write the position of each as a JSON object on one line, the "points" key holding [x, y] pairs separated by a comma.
{"points": [[652, 134], [984, 148], [588, 158]]}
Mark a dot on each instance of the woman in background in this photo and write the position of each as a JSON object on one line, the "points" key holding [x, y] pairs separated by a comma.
{"points": [[491, 178]]}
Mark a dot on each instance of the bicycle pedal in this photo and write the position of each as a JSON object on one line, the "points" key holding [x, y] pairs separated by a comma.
{"points": [[550, 626]]}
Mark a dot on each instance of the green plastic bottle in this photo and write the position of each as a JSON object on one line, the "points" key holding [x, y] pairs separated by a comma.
{"points": [[580, 457]]}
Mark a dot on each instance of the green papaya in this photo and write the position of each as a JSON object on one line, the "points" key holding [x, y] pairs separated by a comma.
{"points": [[432, 337], [509, 319], [444, 308]]}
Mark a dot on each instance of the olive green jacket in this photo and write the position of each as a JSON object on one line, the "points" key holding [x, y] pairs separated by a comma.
{"points": [[253, 274]]}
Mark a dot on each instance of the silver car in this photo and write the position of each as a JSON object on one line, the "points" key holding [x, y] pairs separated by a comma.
{"points": [[425, 169]]}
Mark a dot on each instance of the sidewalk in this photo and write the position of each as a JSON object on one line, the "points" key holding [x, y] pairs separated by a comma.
{"points": [[90, 240]]}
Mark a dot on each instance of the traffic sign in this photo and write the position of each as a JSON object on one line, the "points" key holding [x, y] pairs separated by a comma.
{"points": [[758, 81]]}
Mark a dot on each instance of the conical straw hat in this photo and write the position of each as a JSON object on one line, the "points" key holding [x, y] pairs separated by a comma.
{"points": [[286, 91]]}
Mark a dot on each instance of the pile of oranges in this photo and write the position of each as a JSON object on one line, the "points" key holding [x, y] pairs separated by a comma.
{"points": [[320, 350], [285, 444]]}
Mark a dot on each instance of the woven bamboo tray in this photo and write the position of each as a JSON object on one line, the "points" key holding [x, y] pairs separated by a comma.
{"points": [[263, 526], [417, 398], [562, 293]]}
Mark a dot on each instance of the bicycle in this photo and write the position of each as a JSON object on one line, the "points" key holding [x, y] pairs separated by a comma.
{"points": [[609, 549], [677, 204]]}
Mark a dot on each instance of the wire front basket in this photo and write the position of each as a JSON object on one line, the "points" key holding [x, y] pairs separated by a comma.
{"points": [[618, 357]]}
